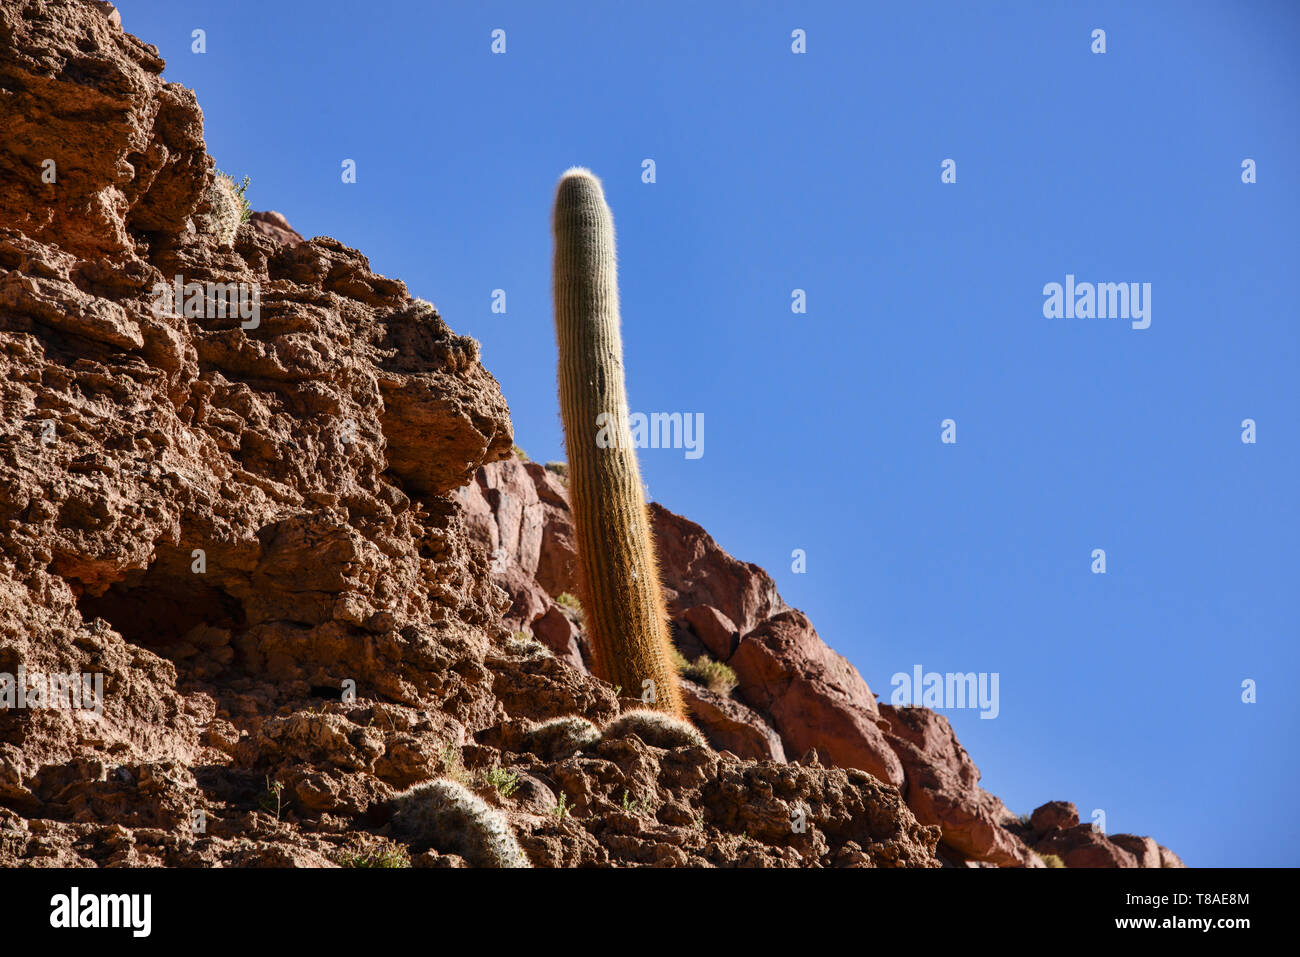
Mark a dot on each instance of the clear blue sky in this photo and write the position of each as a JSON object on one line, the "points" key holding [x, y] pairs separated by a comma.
{"points": [[822, 171]]}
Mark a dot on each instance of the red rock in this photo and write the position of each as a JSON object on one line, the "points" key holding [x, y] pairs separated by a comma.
{"points": [[1084, 846], [812, 696], [715, 630], [942, 787], [730, 726], [1144, 849], [527, 599], [550, 486], [1052, 815], [1169, 859], [512, 497], [273, 225], [696, 571], [556, 631]]}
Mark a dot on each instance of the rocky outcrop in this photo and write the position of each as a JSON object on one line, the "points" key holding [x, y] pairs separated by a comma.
{"points": [[1054, 828], [942, 787], [730, 726], [274, 226], [696, 572]]}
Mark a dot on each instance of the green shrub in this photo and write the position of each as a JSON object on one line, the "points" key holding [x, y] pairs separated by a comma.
{"points": [[452, 765], [635, 805], [562, 807], [272, 799], [714, 675], [1051, 860], [505, 782]]}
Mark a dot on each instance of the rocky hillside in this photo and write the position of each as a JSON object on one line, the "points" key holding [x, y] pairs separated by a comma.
{"points": [[295, 547]]}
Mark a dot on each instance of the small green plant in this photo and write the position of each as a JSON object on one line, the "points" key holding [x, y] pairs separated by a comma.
{"points": [[714, 675], [1051, 860], [271, 800], [562, 807], [634, 805], [519, 453], [1024, 820], [505, 782], [559, 468], [452, 765], [568, 601]]}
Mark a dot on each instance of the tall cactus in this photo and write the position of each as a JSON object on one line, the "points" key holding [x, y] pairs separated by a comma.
{"points": [[623, 604]]}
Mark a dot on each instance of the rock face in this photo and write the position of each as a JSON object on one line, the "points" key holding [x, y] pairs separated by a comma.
{"points": [[813, 696], [942, 787], [1054, 828], [276, 517]]}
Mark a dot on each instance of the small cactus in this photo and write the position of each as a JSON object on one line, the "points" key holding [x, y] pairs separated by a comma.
{"points": [[622, 600], [656, 728], [560, 738], [455, 820], [227, 207]]}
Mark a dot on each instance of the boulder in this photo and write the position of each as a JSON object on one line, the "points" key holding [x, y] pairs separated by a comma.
{"points": [[1169, 859], [1052, 815], [1146, 850], [812, 696], [716, 632], [554, 629], [730, 726], [696, 571], [942, 787], [1082, 845], [276, 227]]}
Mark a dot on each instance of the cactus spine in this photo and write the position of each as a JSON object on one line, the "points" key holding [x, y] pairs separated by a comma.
{"points": [[622, 602]]}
